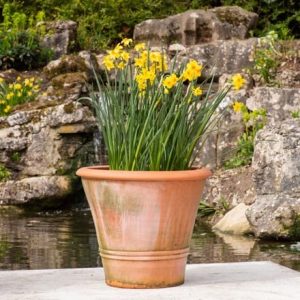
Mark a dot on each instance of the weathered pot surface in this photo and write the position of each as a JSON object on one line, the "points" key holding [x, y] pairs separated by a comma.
{"points": [[144, 222]]}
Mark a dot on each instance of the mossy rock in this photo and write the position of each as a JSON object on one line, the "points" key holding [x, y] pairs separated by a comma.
{"points": [[69, 79], [66, 64]]}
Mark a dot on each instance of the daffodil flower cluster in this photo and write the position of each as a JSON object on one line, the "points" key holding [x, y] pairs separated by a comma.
{"points": [[21, 91], [151, 67], [154, 112], [118, 57]]}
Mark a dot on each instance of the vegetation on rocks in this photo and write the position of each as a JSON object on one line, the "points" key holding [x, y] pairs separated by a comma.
{"points": [[253, 121], [4, 173], [19, 92], [105, 22]]}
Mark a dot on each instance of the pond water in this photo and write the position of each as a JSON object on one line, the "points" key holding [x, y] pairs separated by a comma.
{"points": [[68, 240]]}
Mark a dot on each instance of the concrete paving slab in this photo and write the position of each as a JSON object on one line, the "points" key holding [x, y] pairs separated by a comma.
{"points": [[226, 281]]}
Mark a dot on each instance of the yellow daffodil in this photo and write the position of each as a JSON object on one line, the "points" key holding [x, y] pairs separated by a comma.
{"points": [[9, 96], [29, 93], [166, 91], [238, 106], [197, 91], [108, 62], [140, 47], [192, 71], [126, 42], [170, 81], [19, 94], [7, 109], [10, 85], [140, 62], [18, 86], [32, 79], [27, 82], [125, 56], [1, 80], [121, 65], [237, 81]]}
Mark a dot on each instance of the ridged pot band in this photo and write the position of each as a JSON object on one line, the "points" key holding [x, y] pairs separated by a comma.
{"points": [[144, 255]]}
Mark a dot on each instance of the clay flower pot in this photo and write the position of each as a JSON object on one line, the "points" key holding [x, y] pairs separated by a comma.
{"points": [[144, 222]]}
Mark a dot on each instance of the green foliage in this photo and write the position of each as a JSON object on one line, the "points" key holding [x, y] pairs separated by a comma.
{"points": [[104, 22], [15, 157], [205, 210], [4, 173], [20, 47], [16, 93], [253, 122], [220, 208], [295, 114], [267, 58]]}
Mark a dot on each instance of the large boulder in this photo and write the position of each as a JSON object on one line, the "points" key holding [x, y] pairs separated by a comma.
{"points": [[221, 57], [83, 62], [276, 164], [42, 191], [60, 37], [197, 26]]}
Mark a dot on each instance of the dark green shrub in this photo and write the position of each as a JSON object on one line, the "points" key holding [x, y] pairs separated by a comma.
{"points": [[20, 46]]}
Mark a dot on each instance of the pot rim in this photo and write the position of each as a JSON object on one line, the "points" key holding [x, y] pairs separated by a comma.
{"points": [[103, 173]]}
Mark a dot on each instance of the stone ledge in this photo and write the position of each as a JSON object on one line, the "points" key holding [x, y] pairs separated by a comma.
{"points": [[234, 281]]}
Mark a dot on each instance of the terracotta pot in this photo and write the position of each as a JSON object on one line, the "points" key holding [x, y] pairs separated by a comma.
{"points": [[144, 222]]}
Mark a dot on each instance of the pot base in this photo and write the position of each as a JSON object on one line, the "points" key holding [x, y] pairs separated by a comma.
{"points": [[124, 285], [142, 270]]}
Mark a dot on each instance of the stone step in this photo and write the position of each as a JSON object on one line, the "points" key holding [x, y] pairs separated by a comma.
{"points": [[225, 281]]}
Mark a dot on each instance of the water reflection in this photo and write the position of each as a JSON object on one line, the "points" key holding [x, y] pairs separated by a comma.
{"points": [[68, 240], [39, 241]]}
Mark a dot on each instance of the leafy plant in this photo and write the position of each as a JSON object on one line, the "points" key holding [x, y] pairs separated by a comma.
{"points": [[205, 210], [253, 121], [266, 57], [153, 115], [220, 208], [4, 173], [20, 41], [16, 93]]}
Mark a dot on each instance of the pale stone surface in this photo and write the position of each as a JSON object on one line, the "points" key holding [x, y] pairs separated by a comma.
{"points": [[35, 189], [221, 57], [278, 102], [231, 186], [234, 221], [276, 164], [229, 281], [197, 26]]}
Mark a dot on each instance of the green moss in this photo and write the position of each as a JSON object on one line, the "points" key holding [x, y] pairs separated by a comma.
{"points": [[15, 156], [4, 173], [294, 231], [69, 108], [68, 64]]}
